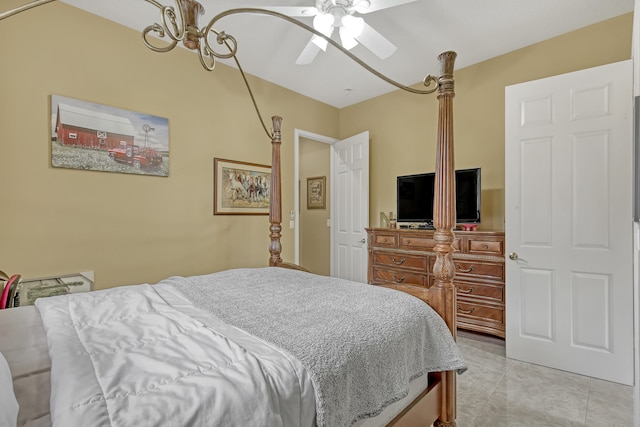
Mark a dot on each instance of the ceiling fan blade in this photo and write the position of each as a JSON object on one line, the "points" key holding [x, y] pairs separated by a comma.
{"points": [[308, 54], [376, 42], [296, 11], [368, 6]]}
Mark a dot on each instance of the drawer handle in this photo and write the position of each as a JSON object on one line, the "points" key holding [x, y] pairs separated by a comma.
{"points": [[400, 280], [485, 246], [461, 311], [465, 291], [396, 262], [460, 270]]}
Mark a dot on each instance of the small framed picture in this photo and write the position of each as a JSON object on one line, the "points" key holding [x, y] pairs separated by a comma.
{"points": [[240, 188], [316, 192]]}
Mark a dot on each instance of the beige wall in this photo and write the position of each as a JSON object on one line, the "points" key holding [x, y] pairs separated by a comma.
{"points": [[131, 228], [315, 250], [403, 126]]}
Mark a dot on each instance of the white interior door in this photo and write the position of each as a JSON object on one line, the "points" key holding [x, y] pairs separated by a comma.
{"points": [[350, 208], [569, 222]]}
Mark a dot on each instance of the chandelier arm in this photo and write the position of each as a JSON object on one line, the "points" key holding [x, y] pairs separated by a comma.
{"points": [[174, 25], [207, 60], [176, 32], [22, 8], [221, 38], [427, 80], [157, 28], [232, 45], [253, 99], [170, 17]]}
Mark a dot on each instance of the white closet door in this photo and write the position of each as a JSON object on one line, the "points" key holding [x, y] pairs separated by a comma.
{"points": [[569, 163]]}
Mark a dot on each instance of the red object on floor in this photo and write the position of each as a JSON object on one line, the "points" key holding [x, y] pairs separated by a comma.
{"points": [[9, 291]]}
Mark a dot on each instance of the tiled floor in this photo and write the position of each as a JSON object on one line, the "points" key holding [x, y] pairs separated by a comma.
{"points": [[496, 391]]}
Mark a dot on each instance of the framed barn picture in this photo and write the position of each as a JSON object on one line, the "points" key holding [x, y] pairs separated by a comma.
{"points": [[240, 188], [90, 136]]}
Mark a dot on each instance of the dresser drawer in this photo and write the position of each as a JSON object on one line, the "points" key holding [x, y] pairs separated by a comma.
{"points": [[384, 275], [480, 312], [384, 240], [482, 269], [417, 243], [484, 246], [423, 243], [411, 262], [474, 291], [475, 269]]}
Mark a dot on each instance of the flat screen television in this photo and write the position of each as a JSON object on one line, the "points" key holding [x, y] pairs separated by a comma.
{"points": [[415, 197]]}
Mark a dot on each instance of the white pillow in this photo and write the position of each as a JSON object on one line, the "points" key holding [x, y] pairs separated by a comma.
{"points": [[8, 402]]}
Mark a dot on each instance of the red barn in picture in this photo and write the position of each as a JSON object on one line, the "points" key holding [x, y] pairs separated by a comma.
{"points": [[76, 126], [90, 136]]}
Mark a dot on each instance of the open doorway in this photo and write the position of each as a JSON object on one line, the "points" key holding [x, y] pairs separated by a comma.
{"points": [[312, 236], [315, 206], [347, 195]]}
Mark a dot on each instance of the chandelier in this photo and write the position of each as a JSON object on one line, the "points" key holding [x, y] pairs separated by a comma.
{"points": [[180, 24]]}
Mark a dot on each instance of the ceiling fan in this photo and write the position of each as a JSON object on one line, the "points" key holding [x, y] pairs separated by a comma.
{"points": [[331, 14]]}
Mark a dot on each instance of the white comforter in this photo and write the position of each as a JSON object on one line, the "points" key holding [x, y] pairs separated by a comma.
{"points": [[105, 369]]}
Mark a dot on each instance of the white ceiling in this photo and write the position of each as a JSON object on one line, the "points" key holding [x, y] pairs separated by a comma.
{"points": [[476, 29]]}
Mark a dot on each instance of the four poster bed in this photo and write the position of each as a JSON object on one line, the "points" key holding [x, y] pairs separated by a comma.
{"points": [[141, 355], [263, 346]]}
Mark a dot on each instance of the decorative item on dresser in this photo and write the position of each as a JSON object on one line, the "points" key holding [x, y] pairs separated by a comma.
{"points": [[404, 260]]}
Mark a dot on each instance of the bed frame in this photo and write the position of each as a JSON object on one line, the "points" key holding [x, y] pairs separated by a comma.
{"points": [[437, 404]]}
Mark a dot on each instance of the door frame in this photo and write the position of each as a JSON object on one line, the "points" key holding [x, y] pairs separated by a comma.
{"points": [[297, 134]]}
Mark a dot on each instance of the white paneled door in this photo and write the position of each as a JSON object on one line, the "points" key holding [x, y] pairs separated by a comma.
{"points": [[351, 207], [569, 173]]}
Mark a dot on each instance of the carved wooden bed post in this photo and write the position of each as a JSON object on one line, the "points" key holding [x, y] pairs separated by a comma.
{"points": [[275, 194], [443, 290]]}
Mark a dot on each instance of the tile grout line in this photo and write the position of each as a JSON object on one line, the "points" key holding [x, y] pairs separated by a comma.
{"points": [[493, 391], [586, 408]]}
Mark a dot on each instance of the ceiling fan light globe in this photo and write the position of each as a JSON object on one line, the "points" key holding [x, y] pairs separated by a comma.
{"points": [[347, 40], [353, 25], [323, 22]]}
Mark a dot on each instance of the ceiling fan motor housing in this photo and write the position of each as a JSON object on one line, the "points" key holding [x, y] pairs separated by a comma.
{"points": [[340, 8]]}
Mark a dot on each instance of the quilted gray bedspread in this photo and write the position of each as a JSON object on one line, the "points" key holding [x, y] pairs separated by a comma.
{"points": [[361, 344]]}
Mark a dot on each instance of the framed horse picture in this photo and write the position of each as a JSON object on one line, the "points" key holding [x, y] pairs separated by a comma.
{"points": [[240, 188]]}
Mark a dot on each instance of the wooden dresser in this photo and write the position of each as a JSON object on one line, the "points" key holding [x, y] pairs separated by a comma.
{"points": [[403, 259]]}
